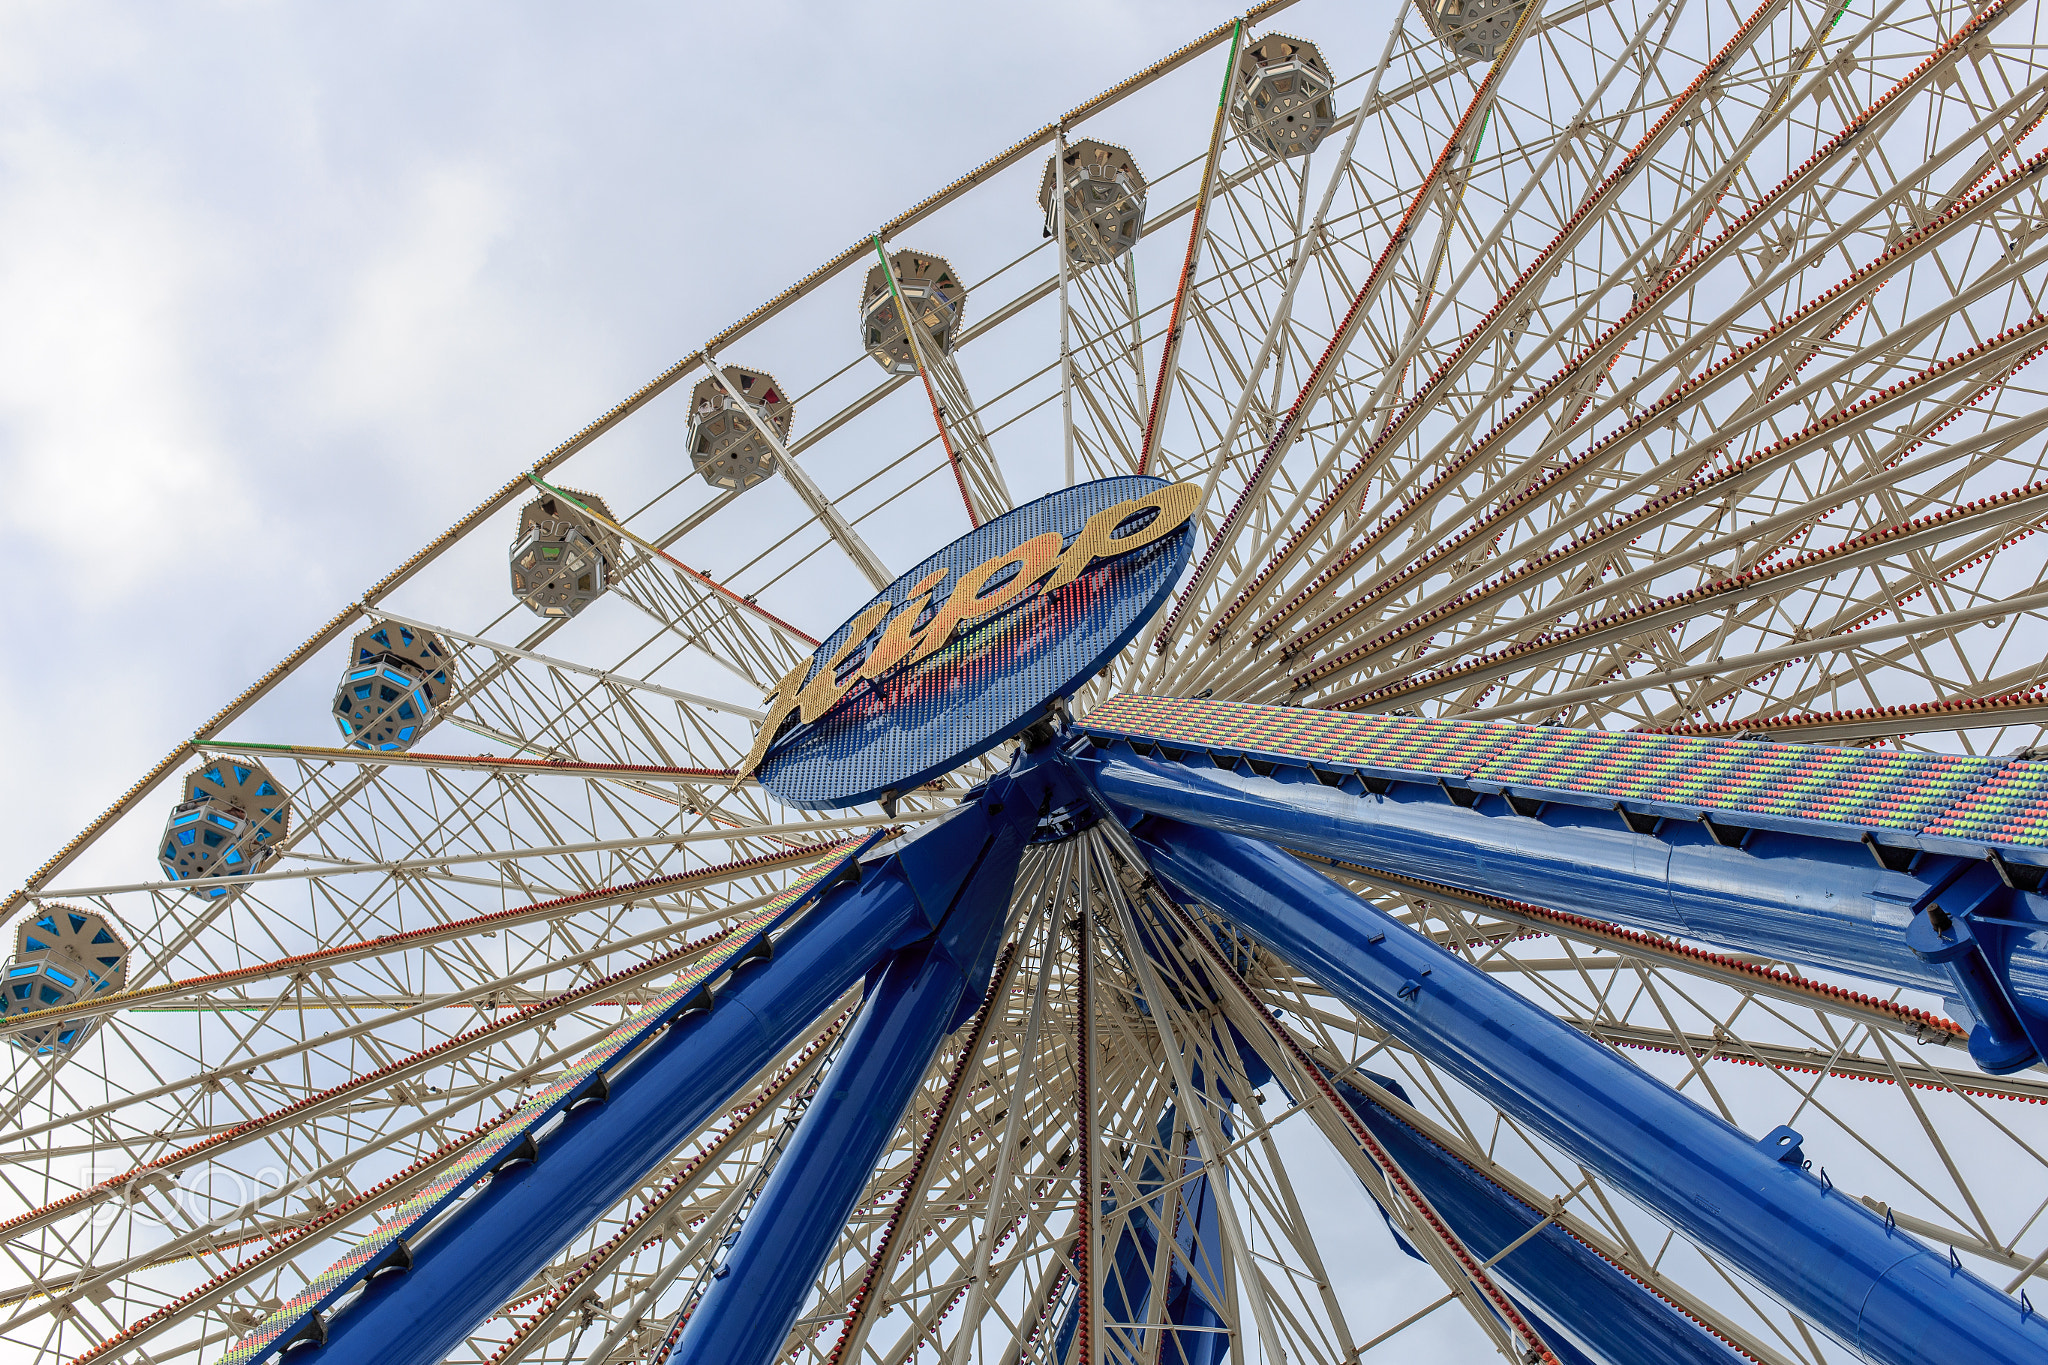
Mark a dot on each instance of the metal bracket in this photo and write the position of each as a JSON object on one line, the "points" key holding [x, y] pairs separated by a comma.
{"points": [[521, 1153], [1727, 836], [1782, 1144], [398, 1257], [1889, 857], [2003, 1040], [1636, 821], [598, 1091], [314, 1333], [2018, 876]]}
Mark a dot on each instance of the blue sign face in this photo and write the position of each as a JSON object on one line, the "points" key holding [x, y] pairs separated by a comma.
{"points": [[970, 646]]}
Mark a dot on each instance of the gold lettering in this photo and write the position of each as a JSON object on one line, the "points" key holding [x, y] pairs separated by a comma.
{"points": [[1176, 503], [825, 690], [1033, 557], [897, 641], [785, 701]]}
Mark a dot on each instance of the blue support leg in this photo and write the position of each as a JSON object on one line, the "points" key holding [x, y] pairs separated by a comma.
{"points": [[1583, 1301], [1192, 1298], [747, 1311], [1187, 1214], [924, 991], [1876, 1289], [1944, 924], [500, 1237]]}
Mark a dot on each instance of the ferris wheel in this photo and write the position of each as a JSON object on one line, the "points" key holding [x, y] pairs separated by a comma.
{"points": [[1429, 665]]}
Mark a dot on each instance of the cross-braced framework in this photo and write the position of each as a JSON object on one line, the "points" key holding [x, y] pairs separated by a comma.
{"points": [[1670, 371]]}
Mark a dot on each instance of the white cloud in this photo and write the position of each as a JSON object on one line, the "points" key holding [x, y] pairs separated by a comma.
{"points": [[416, 314], [105, 435]]}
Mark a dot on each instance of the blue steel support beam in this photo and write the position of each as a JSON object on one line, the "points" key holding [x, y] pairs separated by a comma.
{"points": [[1947, 924], [510, 1229], [503, 1235], [1584, 1302], [924, 991], [1875, 1289], [1588, 1307], [1188, 1215], [747, 1311]]}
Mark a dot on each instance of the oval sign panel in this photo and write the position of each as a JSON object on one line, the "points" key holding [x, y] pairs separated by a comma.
{"points": [[968, 648]]}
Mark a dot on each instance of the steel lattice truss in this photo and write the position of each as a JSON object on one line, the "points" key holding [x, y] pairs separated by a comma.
{"points": [[1672, 371]]}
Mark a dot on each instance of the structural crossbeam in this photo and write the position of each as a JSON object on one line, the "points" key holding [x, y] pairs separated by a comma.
{"points": [[1919, 870]]}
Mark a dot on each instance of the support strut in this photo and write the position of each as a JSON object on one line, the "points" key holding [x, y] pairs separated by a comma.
{"points": [[497, 1240], [1964, 928], [922, 992], [507, 1232], [1749, 1203], [756, 1292]]}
